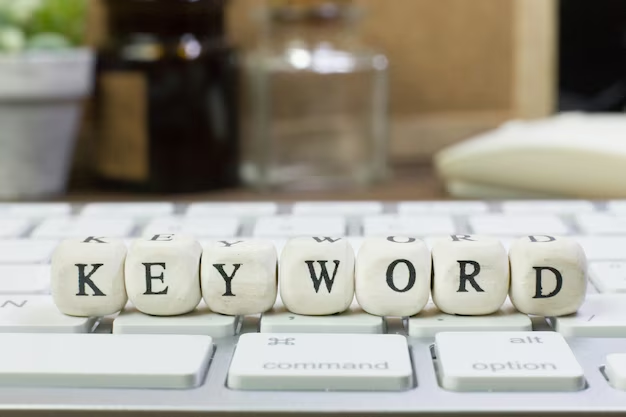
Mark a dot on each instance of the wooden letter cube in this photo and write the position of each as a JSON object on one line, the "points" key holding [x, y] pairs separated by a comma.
{"points": [[393, 276], [548, 275], [163, 275], [316, 275], [239, 276], [471, 275], [87, 277]]}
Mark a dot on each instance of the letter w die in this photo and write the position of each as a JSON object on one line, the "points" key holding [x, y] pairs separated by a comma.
{"points": [[239, 276], [87, 278], [317, 275]]}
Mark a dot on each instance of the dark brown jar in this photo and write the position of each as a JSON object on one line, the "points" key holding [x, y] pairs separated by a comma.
{"points": [[167, 98]]}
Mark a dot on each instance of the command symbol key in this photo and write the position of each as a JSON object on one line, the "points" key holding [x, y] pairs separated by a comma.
{"points": [[320, 362]]}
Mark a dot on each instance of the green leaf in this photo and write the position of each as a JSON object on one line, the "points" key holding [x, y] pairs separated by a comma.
{"points": [[62, 17]]}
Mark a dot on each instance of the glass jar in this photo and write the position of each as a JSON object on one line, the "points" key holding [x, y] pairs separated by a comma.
{"points": [[318, 115], [167, 97]]}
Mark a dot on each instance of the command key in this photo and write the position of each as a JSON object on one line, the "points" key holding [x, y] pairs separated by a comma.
{"points": [[352, 362]]}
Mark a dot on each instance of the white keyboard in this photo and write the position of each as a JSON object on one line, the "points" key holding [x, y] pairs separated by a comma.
{"points": [[205, 363]]}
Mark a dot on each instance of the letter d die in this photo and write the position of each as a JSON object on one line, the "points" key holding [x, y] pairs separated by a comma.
{"points": [[316, 275], [548, 276], [87, 276]]}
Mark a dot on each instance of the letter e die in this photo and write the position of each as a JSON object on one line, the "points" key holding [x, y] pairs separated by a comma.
{"points": [[163, 274]]}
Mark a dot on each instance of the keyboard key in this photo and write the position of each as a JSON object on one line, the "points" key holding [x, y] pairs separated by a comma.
{"points": [[24, 251], [24, 279], [615, 370], [591, 289], [605, 248], [616, 206], [34, 210], [547, 207], [338, 208], [10, 227], [443, 207], [512, 361], [38, 314], [292, 362], [68, 227], [280, 243], [103, 361], [432, 321], [511, 225], [199, 322], [392, 225], [294, 226], [602, 315], [353, 321], [232, 209], [127, 210], [197, 227], [608, 277], [602, 224]]}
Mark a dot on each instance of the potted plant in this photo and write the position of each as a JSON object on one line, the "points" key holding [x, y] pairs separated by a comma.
{"points": [[45, 74]]}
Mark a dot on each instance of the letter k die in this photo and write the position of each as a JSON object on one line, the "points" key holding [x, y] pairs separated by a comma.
{"points": [[87, 277], [316, 276]]}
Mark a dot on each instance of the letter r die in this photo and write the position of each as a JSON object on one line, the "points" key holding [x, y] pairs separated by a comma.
{"points": [[471, 275]]}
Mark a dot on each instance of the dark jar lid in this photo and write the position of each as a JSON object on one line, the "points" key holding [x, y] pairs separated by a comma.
{"points": [[167, 17]]}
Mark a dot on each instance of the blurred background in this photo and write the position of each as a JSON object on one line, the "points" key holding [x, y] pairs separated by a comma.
{"points": [[282, 99]]}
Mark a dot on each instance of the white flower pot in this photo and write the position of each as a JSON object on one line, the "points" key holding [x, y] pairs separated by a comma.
{"points": [[41, 96]]}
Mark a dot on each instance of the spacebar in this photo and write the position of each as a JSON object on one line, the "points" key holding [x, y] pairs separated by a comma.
{"points": [[104, 360]]}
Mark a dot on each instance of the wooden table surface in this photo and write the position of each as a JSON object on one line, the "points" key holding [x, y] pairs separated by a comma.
{"points": [[414, 182]]}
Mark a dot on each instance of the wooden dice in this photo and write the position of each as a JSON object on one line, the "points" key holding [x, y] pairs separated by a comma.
{"points": [[163, 275], [239, 276], [168, 275], [316, 275], [393, 276], [471, 275], [87, 277], [548, 275]]}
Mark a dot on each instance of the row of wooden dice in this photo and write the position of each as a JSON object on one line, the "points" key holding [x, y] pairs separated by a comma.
{"points": [[168, 275]]}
